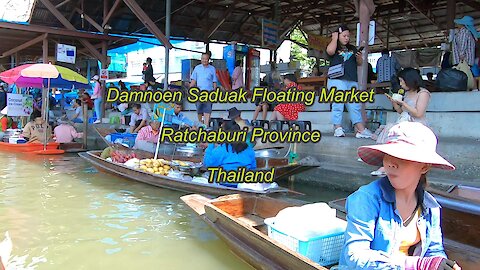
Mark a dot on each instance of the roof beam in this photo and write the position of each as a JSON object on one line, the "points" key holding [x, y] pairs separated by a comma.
{"points": [[225, 14], [62, 3], [68, 25], [473, 4], [110, 12], [24, 45], [382, 24], [90, 20], [55, 31], [149, 24], [423, 14]]}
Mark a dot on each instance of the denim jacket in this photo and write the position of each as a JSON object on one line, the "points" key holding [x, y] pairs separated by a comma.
{"points": [[374, 223]]}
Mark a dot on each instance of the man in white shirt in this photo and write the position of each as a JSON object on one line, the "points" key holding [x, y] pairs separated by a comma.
{"points": [[138, 119]]}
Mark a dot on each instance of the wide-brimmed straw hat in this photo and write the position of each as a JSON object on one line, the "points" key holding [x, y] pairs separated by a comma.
{"points": [[469, 23], [409, 141]]}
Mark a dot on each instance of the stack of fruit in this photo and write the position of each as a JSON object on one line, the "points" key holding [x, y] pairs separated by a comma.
{"points": [[156, 166], [121, 156]]}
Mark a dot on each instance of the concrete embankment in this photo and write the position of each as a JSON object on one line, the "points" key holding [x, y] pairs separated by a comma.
{"points": [[338, 158]]}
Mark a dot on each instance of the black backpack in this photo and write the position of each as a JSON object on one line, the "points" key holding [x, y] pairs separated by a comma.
{"points": [[451, 80]]}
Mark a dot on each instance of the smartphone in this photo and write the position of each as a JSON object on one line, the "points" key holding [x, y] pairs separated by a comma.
{"points": [[360, 49]]}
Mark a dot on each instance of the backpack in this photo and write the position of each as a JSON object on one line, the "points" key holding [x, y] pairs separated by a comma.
{"points": [[451, 80]]}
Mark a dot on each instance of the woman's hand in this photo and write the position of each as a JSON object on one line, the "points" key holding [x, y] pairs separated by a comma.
{"points": [[447, 264], [335, 35], [359, 56]]}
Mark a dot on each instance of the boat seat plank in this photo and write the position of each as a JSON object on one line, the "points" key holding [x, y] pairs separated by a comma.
{"points": [[251, 220]]}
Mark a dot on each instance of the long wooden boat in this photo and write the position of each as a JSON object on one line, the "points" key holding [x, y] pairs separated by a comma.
{"points": [[239, 221], [282, 169], [26, 147], [460, 222]]}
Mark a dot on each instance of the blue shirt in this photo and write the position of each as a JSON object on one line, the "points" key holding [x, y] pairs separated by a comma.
{"points": [[229, 160], [181, 119], [373, 224], [204, 76]]}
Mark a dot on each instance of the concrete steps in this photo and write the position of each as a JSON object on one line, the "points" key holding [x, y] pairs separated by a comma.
{"points": [[338, 156]]}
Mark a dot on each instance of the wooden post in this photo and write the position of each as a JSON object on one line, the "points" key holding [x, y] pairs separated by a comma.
{"points": [[45, 50], [388, 30], [85, 124], [451, 9], [104, 85], [364, 15]]}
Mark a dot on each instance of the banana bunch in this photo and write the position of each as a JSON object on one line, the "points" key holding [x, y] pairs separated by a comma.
{"points": [[155, 166]]}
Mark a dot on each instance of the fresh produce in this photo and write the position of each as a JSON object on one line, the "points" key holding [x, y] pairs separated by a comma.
{"points": [[155, 166], [121, 156]]}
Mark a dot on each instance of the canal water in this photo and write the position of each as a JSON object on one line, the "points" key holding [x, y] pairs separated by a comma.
{"points": [[63, 214]]}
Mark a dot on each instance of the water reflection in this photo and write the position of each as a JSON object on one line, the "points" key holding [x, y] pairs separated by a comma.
{"points": [[61, 214]]}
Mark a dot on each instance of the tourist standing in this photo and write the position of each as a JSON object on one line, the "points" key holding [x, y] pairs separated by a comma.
{"points": [[205, 78], [237, 76], [148, 72], [97, 98], [345, 55]]}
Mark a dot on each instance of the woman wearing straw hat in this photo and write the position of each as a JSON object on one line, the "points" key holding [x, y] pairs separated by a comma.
{"points": [[393, 223]]}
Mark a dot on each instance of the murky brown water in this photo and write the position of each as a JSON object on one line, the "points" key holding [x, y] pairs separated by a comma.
{"points": [[62, 214]]}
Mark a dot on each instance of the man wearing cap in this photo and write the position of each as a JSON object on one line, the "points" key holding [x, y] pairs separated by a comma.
{"points": [[204, 77]]}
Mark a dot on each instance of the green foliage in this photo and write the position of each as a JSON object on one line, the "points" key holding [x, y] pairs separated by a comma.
{"points": [[300, 54]]}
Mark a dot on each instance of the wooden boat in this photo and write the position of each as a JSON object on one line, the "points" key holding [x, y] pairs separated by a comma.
{"points": [[460, 222], [239, 221], [282, 169], [26, 147], [73, 147]]}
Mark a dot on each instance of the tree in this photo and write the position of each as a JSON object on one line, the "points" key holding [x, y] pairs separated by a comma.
{"points": [[299, 53]]}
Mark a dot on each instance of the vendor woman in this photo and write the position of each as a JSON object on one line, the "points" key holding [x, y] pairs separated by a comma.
{"points": [[6, 121], [34, 131], [393, 223], [230, 156]]}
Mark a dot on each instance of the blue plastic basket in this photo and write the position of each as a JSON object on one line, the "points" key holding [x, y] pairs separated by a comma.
{"points": [[324, 250], [127, 138]]}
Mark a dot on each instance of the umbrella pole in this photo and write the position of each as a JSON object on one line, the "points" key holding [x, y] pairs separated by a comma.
{"points": [[47, 101]]}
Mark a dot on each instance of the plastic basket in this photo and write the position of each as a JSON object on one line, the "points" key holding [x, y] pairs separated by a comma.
{"points": [[127, 138], [324, 250]]}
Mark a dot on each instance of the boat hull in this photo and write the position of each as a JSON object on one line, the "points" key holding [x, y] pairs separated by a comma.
{"points": [[26, 147], [164, 181], [249, 243]]}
